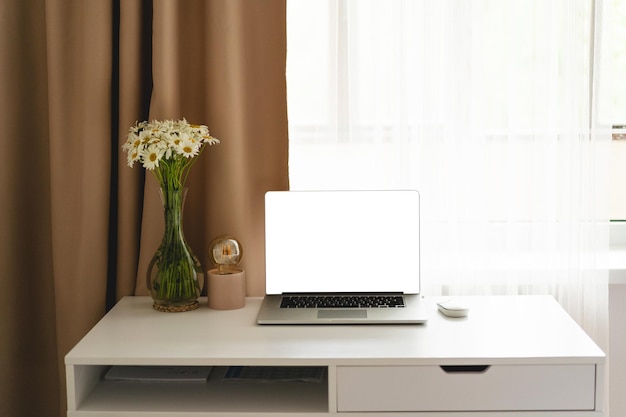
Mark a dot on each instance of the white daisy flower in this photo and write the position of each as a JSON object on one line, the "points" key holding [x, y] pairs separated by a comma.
{"points": [[133, 156], [151, 156], [188, 148]]}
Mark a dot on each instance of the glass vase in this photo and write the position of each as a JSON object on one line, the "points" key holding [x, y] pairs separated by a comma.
{"points": [[174, 273]]}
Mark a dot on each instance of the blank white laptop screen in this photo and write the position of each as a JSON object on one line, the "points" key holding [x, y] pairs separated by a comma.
{"points": [[342, 241]]}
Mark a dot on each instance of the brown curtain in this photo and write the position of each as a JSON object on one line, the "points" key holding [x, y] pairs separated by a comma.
{"points": [[78, 225]]}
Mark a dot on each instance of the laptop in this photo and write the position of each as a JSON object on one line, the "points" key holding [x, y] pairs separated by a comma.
{"points": [[342, 257]]}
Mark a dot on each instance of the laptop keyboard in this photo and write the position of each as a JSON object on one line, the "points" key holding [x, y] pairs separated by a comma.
{"points": [[342, 301]]}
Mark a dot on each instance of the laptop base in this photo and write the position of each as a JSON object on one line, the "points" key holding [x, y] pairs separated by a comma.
{"points": [[413, 313]]}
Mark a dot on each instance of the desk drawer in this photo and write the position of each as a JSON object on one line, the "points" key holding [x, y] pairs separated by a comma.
{"points": [[488, 388]]}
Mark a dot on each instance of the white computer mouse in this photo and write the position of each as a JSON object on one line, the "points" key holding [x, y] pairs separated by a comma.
{"points": [[452, 308]]}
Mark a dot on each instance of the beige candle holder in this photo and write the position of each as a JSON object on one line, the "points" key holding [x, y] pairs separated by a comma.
{"points": [[227, 283], [226, 291]]}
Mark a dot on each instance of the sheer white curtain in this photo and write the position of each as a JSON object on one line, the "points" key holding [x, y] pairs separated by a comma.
{"points": [[487, 108]]}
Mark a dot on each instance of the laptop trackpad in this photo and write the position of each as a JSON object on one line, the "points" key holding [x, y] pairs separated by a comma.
{"points": [[342, 314]]}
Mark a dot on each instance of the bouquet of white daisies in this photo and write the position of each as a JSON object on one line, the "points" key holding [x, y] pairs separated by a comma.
{"points": [[167, 148]]}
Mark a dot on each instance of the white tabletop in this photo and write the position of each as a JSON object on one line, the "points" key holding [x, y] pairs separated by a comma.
{"points": [[499, 329]]}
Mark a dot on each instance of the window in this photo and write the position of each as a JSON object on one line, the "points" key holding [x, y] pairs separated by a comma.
{"points": [[615, 111], [487, 101], [488, 108]]}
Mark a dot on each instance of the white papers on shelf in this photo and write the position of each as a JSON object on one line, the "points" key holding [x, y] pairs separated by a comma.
{"points": [[158, 373]]}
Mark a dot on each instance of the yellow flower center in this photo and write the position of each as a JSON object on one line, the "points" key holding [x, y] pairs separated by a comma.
{"points": [[187, 149], [153, 157]]}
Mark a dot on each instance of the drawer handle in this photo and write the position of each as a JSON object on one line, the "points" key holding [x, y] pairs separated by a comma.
{"points": [[466, 369]]}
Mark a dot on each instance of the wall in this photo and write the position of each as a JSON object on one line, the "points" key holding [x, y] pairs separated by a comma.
{"points": [[617, 345], [616, 182], [617, 283]]}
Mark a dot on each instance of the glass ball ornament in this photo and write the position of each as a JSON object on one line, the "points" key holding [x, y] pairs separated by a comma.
{"points": [[225, 252]]}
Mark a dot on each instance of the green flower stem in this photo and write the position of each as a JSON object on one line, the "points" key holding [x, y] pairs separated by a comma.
{"points": [[176, 266]]}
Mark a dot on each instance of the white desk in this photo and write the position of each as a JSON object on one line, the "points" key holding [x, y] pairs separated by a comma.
{"points": [[540, 363]]}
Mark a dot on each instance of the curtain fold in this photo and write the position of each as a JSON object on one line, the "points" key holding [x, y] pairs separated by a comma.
{"points": [[28, 348], [132, 90], [236, 86], [77, 223], [79, 50]]}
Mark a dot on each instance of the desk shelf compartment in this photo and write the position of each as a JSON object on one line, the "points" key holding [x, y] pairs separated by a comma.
{"points": [[217, 395]]}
